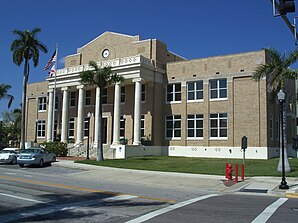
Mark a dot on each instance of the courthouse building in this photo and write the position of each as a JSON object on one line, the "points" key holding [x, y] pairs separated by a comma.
{"points": [[199, 107]]}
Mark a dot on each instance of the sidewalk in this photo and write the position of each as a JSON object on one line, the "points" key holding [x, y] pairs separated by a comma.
{"points": [[201, 182]]}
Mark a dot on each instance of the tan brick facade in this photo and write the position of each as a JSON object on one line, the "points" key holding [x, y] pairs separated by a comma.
{"points": [[247, 106]]}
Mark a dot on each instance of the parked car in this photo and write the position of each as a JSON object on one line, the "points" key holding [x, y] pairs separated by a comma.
{"points": [[38, 156], [9, 155]]}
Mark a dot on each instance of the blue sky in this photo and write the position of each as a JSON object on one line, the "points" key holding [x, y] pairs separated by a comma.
{"points": [[191, 28]]}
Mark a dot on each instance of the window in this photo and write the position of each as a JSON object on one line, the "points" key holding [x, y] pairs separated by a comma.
{"points": [[173, 126], [143, 94], [88, 97], [195, 126], [104, 94], [73, 99], [122, 94], [55, 129], [271, 126], [219, 125], [71, 127], [277, 127], [86, 126], [41, 128], [42, 104], [195, 90], [174, 92], [122, 126], [218, 88], [56, 103], [142, 125]]}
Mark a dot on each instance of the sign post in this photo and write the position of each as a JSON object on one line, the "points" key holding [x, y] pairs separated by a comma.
{"points": [[244, 147]]}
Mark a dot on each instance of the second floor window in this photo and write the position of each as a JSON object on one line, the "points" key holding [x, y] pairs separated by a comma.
{"points": [[122, 94], [143, 92], [88, 97], [72, 99], [42, 104], [218, 88], [174, 92], [195, 90], [104, 95]]}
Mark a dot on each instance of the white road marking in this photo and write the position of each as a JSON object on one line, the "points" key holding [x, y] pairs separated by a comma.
{"points": [[22, 198], [120, 198], [269, 211], [153, 214]]}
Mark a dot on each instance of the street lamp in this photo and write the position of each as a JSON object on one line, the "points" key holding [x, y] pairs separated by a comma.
{"points": [[88, 135], [281, 99], [1, 121]]}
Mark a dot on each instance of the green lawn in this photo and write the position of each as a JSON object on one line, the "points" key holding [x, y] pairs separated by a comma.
{"points": [[197, 165]]}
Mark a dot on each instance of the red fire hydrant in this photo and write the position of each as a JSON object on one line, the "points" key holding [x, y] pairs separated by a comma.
{"points": [[229, 171]]}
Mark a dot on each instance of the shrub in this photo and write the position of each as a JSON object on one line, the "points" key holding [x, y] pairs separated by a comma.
{"points": [[58, 148]]}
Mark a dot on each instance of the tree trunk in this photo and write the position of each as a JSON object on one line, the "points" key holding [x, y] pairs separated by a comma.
{"points": [[99, 143], [284, 129], [25, 79]]}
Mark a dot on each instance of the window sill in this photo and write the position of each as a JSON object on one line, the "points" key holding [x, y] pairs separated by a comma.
{"points": [[218, 99], [194, 138], [194, 101], [41, 111], [173, 139], [173, 102], [218, 138]]}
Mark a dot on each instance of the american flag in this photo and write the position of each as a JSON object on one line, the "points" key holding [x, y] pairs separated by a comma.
{"points": [[52, 71], [51, 61]]}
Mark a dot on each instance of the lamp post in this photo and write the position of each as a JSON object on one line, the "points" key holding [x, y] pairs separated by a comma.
{"points": [[1, 122], [281, 99], [88, 135]]}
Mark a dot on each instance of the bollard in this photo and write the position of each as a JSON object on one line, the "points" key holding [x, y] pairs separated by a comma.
{"points": [[242, 172], [236, 173]]}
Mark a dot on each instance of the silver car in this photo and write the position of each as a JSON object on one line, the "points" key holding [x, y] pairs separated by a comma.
{"points": [[9, 155], [38, 156]]}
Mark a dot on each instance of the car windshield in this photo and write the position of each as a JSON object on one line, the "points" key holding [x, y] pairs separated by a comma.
{"points": [[31, 151]]}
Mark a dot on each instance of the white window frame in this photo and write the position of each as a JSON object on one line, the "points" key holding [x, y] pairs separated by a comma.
{"points": [[173, 119], [195, 118], [218, 127], [104, 95], [41, 129], [271, 127], [56, 103], [42, 104], [174, 92], [142, 125], [86, 129], [122, 126], [218, 89], [71, 122], [195, 90]]}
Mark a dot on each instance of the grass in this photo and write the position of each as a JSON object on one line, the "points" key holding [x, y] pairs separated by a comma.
{"points": [[197, 165]]}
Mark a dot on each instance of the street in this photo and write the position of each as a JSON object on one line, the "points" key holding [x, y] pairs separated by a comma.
{"points": [[59, 194]]}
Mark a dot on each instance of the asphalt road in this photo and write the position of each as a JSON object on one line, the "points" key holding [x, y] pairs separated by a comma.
{"points": [[57, 194]]}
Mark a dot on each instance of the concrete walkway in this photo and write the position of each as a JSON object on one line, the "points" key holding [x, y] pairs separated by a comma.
{"points": [[202, 182]]}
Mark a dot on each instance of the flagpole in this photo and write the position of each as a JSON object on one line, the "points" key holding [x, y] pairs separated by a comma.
{"points": [[54, 99]]}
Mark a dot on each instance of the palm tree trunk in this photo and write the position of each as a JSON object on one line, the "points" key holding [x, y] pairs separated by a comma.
{"points": [[99, 143], [25, 79]]}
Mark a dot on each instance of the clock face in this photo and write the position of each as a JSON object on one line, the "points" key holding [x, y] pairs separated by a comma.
{"points": [[105, 53]]}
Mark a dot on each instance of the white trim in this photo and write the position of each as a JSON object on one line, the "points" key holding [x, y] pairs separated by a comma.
{"points": [[218, 138]]}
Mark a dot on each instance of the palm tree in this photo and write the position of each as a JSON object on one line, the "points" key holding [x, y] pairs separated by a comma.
{"points": [[99, 77], [277, 72], [3, 93], [25, 48]]}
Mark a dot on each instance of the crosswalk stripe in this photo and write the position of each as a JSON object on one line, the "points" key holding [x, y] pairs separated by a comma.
{"points": [[269, 211], [153, 214]]}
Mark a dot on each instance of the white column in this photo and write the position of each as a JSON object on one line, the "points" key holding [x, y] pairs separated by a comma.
{"points": [[97, 98], [137, 112], [50, 116], [80, 120], [116, 130], [64, 134]]}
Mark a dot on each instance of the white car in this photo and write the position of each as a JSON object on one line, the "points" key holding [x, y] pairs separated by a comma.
{"points": [[9, 155]]}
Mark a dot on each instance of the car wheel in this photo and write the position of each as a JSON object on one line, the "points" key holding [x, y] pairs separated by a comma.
{"points": [[54, 159], [21, 165], [41, 163], [14, 160]]}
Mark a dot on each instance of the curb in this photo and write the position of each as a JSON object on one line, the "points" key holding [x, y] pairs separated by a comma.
{"points": [[291, 195]]}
